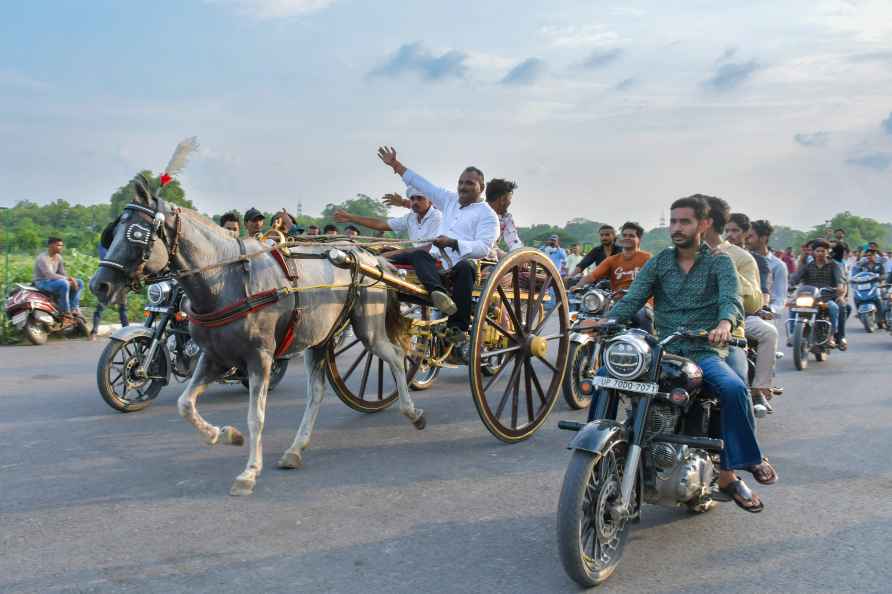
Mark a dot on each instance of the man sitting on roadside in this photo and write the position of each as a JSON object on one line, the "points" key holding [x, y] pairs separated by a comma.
{"points": [[50, 276], [468, 231]]}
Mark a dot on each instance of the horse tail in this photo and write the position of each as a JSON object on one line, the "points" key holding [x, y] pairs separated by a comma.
{"points": [[397, 324]]}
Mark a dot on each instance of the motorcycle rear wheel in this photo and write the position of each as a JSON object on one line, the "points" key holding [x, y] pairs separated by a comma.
{"points": [[36, 332], [276, 373], [800, 347], [869, 322], [114, 374], [590, 542]]}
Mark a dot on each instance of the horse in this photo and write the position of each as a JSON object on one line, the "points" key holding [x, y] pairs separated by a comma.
{"points": [[245, 310]]}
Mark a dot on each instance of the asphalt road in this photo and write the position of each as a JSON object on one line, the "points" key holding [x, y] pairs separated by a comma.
{"points": [[95, 501]]}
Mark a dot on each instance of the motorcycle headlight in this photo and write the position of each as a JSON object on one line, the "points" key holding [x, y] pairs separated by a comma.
{"points": [[158, 293], [805, 301], [593, 302], [627, 357]]}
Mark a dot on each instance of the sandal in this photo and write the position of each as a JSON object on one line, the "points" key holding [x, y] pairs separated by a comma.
{"points": [[739, 493], [764, 473]]}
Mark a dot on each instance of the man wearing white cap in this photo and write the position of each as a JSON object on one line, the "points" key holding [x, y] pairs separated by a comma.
{"points": [[421, 225], [468, 231]]}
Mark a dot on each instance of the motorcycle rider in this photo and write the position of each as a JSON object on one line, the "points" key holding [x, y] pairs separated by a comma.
{"points": [[757, 327], [598, 254], [696, 287], [50, 277], [824, 272], [871, 263], [623, 268]]}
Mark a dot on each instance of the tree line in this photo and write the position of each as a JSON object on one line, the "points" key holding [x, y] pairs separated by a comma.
{"points": [[27, 225]]}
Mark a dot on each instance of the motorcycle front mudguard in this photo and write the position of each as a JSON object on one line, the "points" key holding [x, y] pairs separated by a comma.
{"points": [[597, 435]]}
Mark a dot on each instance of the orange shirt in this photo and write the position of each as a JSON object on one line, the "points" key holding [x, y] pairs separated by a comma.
{"points": [[621, 271]]}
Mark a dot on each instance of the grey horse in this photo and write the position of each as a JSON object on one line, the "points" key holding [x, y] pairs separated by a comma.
{"points": [[217, 271]]}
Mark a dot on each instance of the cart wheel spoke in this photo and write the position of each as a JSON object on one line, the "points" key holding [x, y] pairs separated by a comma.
{"points": [[346, 348], [536, 383], [380, 379], [527, 369], [511, 313], [355, 364], [365, 375], [515, 282], [496, 375], [512, 380], [548, 363], [504, 331], [544, 320]]}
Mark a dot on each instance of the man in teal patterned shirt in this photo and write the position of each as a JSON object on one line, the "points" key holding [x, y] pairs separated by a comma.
{"points": [[696, 289]]}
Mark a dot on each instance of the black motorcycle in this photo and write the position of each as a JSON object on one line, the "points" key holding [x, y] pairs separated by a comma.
{"points": [[811, 325], [654, 439], [588, 305], [140, 359]]}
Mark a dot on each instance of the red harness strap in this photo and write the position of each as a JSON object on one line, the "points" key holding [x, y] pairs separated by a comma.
{"points": [[236, 311]]}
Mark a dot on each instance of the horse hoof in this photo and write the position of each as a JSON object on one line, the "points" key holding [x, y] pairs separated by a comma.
{"points": [[232, 436], [420, 423], [290, 461], [242, 487]]}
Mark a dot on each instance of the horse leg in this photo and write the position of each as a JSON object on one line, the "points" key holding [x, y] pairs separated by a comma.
{"points": [[205, 373], [258, 384], [394, 357], [313, 359]]}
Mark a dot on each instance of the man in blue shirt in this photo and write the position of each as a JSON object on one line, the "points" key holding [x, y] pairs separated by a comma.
{"points": [[556, 254]]}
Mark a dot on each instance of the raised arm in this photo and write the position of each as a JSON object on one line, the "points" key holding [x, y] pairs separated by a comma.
{"points": [[342, 216], [439, 197]]}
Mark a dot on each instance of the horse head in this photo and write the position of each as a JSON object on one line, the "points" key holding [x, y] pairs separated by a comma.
{"points": [[140, 246]]}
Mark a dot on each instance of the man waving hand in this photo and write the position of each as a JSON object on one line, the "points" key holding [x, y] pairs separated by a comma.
{"points": [[469, 230]]}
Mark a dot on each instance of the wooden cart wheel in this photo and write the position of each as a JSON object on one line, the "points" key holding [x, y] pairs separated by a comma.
{"points": [[360, 378], [524, 305]]}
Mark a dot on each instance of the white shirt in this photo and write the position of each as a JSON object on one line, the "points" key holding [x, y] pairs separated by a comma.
{"points": [[419, 231], [508, 232], [475, 226]]}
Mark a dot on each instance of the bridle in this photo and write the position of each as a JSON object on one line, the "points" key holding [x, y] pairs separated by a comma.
{"points": [[142, 236]]}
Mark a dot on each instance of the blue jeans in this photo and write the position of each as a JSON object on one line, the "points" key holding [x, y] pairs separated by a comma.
{"points": [[738, 423], [66, 298], [736, 360]]}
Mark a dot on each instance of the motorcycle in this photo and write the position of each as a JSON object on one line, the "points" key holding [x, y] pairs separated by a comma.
{"points": [[665, 451], [590, 304], [139, 360], [811, 325], [868, 292], [35, 314]]}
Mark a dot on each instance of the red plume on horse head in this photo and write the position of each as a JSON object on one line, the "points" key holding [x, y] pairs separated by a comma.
{"points": [[179, 158]]}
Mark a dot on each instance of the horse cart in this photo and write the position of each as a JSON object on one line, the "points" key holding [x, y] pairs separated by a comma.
{"points": [[516, 354]]}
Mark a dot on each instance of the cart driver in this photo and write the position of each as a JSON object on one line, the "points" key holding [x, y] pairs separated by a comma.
{"points": [[468, 231]]}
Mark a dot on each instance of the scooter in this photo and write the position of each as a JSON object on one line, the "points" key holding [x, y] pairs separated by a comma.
{"points": [[868, 293], [35, 313]]}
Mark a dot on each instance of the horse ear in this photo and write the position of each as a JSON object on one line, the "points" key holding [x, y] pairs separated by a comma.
{"points": [[141, 187]]}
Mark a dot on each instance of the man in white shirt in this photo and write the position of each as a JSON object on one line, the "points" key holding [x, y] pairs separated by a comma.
{"points": [[469, 230], [421, 225]]}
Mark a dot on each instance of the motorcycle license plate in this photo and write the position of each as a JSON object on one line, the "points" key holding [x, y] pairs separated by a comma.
{"points": [[616, 384], [19, 318], [864, 287], [156, 308], [804, 309]]}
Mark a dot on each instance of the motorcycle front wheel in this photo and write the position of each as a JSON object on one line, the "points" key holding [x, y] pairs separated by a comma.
{"points": [[590, 538], [116, 377], [578, 363], [800, 347]]}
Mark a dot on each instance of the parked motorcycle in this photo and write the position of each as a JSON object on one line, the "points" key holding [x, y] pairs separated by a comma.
{"points": [[811, 325], [665, 451], [868, 293], [34, 313], [590, 304], [140, 359]]}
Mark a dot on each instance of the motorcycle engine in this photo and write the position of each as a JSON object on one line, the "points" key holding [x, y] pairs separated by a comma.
{"points": [[677, 473]]}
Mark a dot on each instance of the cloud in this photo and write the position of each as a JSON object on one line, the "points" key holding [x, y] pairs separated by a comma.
{"points": [[810, 139], [416, 58], [730, 75], [626, 84], [887, 124], [877, 161], [576, 36], [274, 9], [867, 57], [527, 72], [727, 54], [601, 58]]}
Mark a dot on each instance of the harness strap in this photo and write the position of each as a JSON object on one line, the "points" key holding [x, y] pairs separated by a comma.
{"points": [[237, 310]]}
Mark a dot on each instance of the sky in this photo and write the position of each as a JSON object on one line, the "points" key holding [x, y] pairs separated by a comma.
{"points": [[603, 110]]}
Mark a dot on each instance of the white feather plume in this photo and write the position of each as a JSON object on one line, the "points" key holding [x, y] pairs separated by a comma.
{"points": [[181, 155]]}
